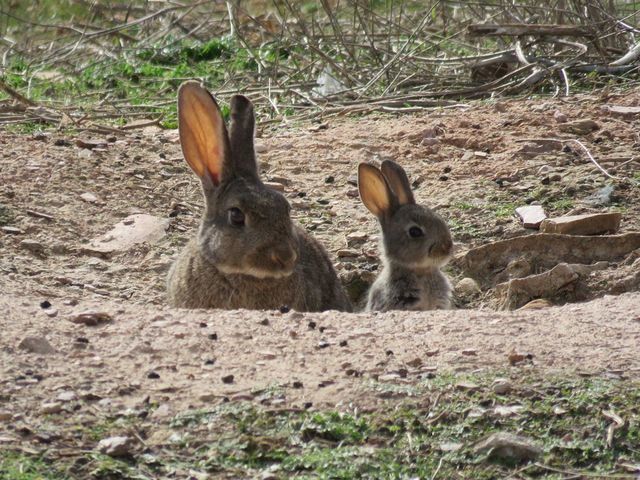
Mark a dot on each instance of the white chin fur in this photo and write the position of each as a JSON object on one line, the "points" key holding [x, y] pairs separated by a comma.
{"points": [[428, 262], [253, 272]]}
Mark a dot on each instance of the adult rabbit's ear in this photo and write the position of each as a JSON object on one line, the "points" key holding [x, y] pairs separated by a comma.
{"points": [[203, 135], [398, 181], [375, 192], [241, 133]]}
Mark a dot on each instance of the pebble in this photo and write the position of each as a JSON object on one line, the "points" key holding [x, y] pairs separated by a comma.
{"points": [[347, 253], [467, 287], [274, 186], [116, 446], [51, 312], [227, 379], [12, 230], [51, 407], [501, 386], [508, 447], [89, 197], [90, 318], [560, 117], [67, 396], [5, 415], [38, 345], [531, 216], [32, 245]]}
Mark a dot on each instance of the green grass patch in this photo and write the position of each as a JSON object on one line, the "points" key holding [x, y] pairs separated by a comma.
{"points": [[430, 427]]}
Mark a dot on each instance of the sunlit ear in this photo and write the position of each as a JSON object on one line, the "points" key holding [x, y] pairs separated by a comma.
{"points": [[203, 135], [398, 181], [374, 191]]}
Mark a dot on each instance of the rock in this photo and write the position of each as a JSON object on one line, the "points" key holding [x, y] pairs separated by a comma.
{"points": [[267, 355], [227, 379], [90, 318], [547, 249], [116, 446], [621, 111], [467, 386], [33, 246], [590, 224], [50, 408], [274, 186], [38, 345], [504, 446], [579, 127], [540, 146], [501, 386], [537, 304], [347, 253], [531, 216], [12, 230], [602, 197], [5, 416], [355, 238], [51, 312], [89, 197], [469, 352], [260, 147], [66, 396], [515, 293], [559, 117], [467, 287], [132, 230], [450, 446]]}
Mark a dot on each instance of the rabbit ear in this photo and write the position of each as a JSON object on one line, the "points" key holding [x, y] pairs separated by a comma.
{"points": [[241, 132], [203, 135], [398, 181], [374, 190]]}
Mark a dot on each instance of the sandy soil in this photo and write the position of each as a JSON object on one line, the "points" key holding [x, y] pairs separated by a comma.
{"points": [[472, 163]]}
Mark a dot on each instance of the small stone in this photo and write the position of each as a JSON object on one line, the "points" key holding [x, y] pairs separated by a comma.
{"points": [[12, 230], [323, 344], [622, 111], [260, 147], [504, 446], [560, 117], [116, 446], [267, 355], [274, 186], [131, 231], [51, 408], [357, 237], [537, 304], [89, 197], [467, 287], [501, 386], [32, 245], [415, 362], [227, 379], [51, 312], [66, 396], [531, 216], [347, 253], [329, 179], [469, 352], [90, 318], [467, 386], [5, 415], [589, 224], [38, 345], [153, 375], [579, 127]]}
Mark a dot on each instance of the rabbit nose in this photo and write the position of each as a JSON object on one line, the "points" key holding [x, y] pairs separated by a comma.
{"points": [[285, 258]]}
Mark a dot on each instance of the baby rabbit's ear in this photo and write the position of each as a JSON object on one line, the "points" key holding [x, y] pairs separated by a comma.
{"points": [[374, 190], [398, 181], [203, 135]]}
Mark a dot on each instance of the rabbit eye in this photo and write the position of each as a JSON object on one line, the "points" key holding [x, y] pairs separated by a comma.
{"points": [[416, 232], [236, 217]]}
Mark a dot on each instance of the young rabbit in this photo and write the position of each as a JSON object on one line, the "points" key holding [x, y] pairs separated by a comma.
{"points": [[247, 252], [415, 243]]}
